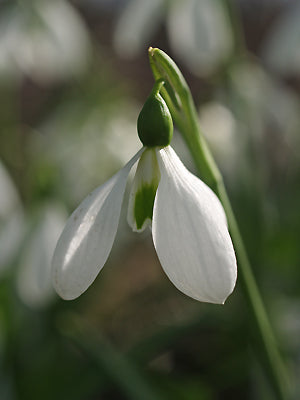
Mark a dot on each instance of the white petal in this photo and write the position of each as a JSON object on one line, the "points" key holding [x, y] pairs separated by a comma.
{"points": [[190, 233], [87, 239]]}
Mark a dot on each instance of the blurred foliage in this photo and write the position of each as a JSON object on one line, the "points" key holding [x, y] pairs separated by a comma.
{"points": [[73, 77]]}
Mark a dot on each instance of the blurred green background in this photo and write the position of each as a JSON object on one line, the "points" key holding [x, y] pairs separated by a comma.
{"points": [[73, 78]]}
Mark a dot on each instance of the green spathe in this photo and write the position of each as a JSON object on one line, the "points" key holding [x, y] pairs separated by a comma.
{"points": [[155, 125]]}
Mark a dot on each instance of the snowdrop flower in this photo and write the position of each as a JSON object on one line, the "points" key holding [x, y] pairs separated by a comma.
{"points": [[12, 221], [199, 31], [188, 222], [33, 279], [46, 40], [220, 124], [200, 34], [69, 139], [280, 49]]}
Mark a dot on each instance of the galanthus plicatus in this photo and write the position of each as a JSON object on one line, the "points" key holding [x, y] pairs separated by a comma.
{"points": [[188, 223]]}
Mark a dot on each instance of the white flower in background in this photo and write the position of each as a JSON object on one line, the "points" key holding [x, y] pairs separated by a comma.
{"points": [[12, 226], [137, 23], [34, 274], [220, 125], [70, 140], [281, 49], [9, 199], [199, 31], [265, 109], [28, 249], [200, 34], [44, 39], [188, 222]]}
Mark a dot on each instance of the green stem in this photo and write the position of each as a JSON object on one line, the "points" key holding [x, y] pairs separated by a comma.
{"points": [[178, 97], [157, 86]]}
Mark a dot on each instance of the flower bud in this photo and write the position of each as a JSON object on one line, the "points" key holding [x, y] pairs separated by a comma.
{"points": [[155, 125]]}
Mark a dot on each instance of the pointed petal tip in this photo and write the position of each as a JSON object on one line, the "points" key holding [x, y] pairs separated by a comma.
{"points": [[211, 298], [224, 300], [87, 239]]}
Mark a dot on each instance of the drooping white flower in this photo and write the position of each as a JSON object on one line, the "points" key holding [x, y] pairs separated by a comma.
{"points": [[198, 31], [189, 226], [189, 229], [46, 40]]}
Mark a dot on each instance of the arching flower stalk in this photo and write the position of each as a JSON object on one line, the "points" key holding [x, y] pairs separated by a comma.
{"points": [[188, 223]]}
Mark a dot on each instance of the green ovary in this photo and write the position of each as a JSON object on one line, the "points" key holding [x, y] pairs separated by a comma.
{"points": [[143, 205]]}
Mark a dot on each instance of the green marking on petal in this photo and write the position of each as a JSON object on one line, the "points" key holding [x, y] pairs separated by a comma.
{"points": [[143, 205], [142, 195]]}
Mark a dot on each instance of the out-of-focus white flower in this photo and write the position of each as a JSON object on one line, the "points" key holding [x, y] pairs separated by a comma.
{"points": [[46, 40], [31, 250], [219, 126], [262, 103], [200, 34], [34, 275], [9, 199], [199, 30], [73, 143], [281, 49], [189, 229], [138, 22], [12, 226]]}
